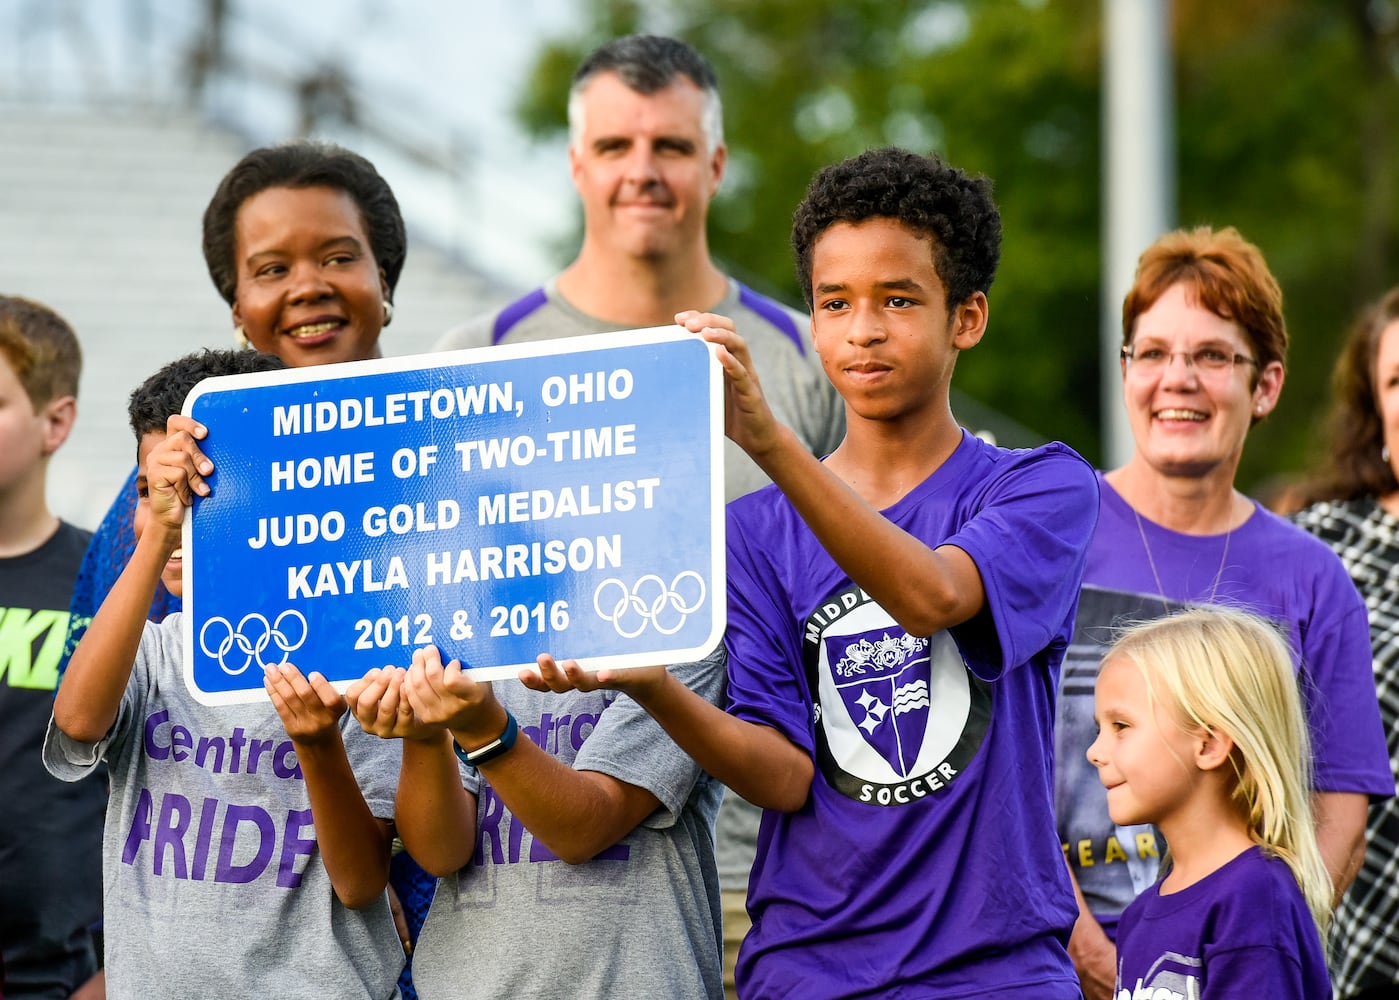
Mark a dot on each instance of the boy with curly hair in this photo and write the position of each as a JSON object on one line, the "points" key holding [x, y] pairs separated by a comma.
{"points": [[897, 616]]}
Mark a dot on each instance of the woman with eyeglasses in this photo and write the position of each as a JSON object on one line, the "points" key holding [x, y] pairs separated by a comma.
{"points": [[1355, 510], [1203, 355]]}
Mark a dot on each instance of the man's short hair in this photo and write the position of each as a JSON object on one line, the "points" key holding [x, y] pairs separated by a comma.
{"points": [[303, 164], [162, 395], [41, 348], [933, 199], [647, 64]]}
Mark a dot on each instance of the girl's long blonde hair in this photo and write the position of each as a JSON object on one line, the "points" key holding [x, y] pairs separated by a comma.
{"points": [[1229, 671]]}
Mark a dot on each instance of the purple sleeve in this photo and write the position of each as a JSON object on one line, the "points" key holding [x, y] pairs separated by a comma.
{"points": [[1257, 971], [1029, 538], [1241, 931], [1338, 690], [765, 683], [1261, 941]]}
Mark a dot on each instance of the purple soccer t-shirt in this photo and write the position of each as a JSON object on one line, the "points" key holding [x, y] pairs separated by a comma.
{"points": [[924, 861], [1242, 931]]}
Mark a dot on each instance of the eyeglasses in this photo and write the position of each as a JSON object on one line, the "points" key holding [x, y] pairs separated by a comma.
{"points": [[1154, 360]]}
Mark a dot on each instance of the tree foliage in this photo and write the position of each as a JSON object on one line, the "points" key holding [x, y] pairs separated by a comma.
{"points": [[1285, 118]]}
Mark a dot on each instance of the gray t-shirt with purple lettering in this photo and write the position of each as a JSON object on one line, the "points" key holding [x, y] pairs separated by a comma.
{"points": [[796, 387], [641, 920], [213, 884]]}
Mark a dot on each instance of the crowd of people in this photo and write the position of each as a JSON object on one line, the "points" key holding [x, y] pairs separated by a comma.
{"points": [[984, 722]]}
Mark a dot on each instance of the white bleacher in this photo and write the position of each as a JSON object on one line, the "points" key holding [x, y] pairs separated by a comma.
{"points": [[100, 212]]}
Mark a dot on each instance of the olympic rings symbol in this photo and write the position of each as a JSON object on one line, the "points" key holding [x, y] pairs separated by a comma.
{"points": [[250, 643], [649, 602]]}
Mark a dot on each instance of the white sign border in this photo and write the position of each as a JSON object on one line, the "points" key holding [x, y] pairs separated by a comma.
{"points": [[475, 355]]}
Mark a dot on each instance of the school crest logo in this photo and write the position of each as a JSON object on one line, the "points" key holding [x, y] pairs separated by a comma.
{"points": [[898, 716]]}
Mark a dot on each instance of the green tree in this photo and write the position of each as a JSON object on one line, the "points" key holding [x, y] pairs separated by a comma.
{"points": [[1284, 129], [1286, 115]]}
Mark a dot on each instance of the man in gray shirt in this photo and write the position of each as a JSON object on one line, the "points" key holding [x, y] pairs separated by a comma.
{"points": [[646, 151]]}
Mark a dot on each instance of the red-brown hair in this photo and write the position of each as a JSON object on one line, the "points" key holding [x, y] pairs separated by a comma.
{"points": [[1225, 273]]}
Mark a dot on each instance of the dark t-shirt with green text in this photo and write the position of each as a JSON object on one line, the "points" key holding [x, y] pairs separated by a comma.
{"points": [[51, 836]]}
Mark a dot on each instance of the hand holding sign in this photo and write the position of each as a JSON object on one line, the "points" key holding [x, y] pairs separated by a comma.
{"points": [[309, 707], [570, 676], [380, 705], [748, 419], [173, 472], [446, 695]]}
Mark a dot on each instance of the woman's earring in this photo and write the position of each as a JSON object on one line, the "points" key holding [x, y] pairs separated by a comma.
{"points": [[1384, 453], [388, 312], [240, 337]]}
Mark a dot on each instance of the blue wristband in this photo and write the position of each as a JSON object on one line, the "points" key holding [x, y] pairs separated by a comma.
{"points": [[502, 744]]}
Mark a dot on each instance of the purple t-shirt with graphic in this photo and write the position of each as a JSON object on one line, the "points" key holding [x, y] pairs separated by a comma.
{"points": [[925, 860], [1243, 931], [1266, 565]]}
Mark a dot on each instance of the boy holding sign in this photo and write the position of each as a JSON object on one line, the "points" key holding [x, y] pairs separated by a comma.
{"points": [[897, 617], [247, 849], [573, 838]]}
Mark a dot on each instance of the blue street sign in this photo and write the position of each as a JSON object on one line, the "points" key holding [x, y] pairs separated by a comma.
{"points": [[562, 497]]}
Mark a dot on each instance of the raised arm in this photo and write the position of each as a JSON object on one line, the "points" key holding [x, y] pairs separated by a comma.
{"points": [[88, 699], [756, 762], [934, 589], [436, 816], [576, 814]]}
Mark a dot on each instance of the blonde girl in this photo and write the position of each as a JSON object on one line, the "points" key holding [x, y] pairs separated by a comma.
{"points": [[1201, 732]]}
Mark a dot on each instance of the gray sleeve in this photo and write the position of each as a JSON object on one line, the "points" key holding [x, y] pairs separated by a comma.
{"points": [[375, 763], [470, 777], [822, 413], [72, 760], [473, 333], [631, 746], [68, 759]]}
